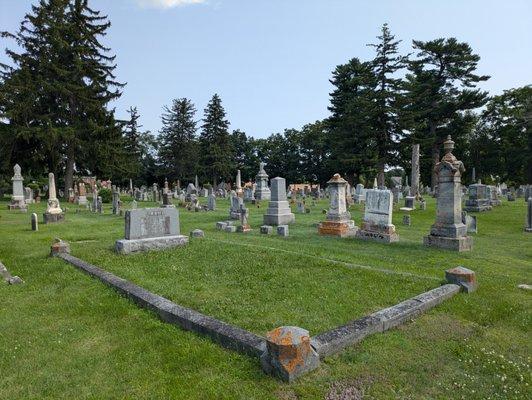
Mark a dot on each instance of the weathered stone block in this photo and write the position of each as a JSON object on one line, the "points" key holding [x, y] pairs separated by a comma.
{"points": [[289, 353], [126, 246], [197, 233], [221, 225], [59, 247], [53, 218], [407, 220], [463, 277], [463, 243], [266, 229], [230, 228], [282, 230]]}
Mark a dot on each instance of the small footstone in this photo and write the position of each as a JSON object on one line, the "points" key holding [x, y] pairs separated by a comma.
{"points": [[59, 247], [282, 230], [230, 228], [288, 353], [221, 225], [34, 222], [266, 229], [197, 233], [15, 280], [524, 286], [406, 220], [463, 277]]}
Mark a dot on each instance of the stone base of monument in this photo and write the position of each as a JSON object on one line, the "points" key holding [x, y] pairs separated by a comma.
{"points": [[278, 219], [495, 203], [18, 205], [125, 246], [463, 243], [53, 218], [377, 233], [334, 228], [475, 206], [234, 214]]}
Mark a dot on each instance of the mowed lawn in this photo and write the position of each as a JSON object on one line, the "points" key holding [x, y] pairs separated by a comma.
{"points": [[64, 335]]}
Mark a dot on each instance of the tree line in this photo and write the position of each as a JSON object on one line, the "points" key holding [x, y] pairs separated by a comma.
{"points": [[56, 115]]}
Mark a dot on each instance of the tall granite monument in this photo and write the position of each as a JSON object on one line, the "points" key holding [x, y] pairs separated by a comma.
{"points": [[262, 191], [53, 210], [278, 212], [449, 232], [338, 220], [17, 198]]}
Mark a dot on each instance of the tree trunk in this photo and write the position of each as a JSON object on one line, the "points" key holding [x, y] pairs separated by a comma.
{"points": [[69, 172]]}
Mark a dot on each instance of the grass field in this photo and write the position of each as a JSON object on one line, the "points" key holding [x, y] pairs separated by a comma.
{"points": [[64, 335]]}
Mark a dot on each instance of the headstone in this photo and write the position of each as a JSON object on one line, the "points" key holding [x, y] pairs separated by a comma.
{"points": [[34, 222], [409, 204], [493, 196], [377, 224], [448, 231], [167, 199], [262, 191], [244, 220], [375, 184], [230, 228], [82, 197], [28, 195], [470, 221], [282, 230], [116, 202], [423, 205], [360, 194], [211, 202], [53, 210], [235, 203], [473, 175], [150, 229], [528, 224], [17, 198], [99, 205], [300, 207], [278, 211], [407, 220], [196, 183], [338, 220], [478, 198]]}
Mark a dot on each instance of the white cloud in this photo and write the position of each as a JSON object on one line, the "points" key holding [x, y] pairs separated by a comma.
{"points": [[168, 3]]}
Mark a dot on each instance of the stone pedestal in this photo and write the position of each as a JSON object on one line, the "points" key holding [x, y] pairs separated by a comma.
{"points": [[262, 191], [528, 224], [449, 232], [409, 204], [338, 220], [289, 353], [53, 218], [278, 211], [53, 213]]}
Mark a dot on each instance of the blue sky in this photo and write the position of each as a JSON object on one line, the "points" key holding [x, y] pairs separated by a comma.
{"points": [[271, 60]]}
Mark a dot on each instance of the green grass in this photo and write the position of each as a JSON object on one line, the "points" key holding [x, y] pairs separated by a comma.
{"points": [[64, 335]]}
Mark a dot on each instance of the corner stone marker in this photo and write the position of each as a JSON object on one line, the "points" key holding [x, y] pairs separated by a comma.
{"points": [[288, 353], [463, 277]]}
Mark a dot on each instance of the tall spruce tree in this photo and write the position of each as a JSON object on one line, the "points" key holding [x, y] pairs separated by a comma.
{"points": [[388, 95], [56, 93], [137, 144], [351, 127], [178, 151], [215, 143], [441, 86]]}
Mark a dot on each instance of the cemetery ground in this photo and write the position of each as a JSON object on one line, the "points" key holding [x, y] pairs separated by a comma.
{"points": [[66, 335]]}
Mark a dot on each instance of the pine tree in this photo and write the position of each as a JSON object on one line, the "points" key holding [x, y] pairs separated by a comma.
{"points": [[136, 144], [388, 94], [178, 152], [441, 86], [351, 126], [245, 156], [56, 94], [215, 143]]}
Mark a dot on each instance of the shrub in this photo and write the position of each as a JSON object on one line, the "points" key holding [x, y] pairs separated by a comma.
{"points": [[106, 195]]}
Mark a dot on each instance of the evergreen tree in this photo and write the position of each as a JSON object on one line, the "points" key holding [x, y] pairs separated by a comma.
{"points": [[502, 142], [136, 145], [56, 94], [245, 155], [351, 126], [441, 86], [314, 153], [178, 152], [215, 143], [388, 95]]}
